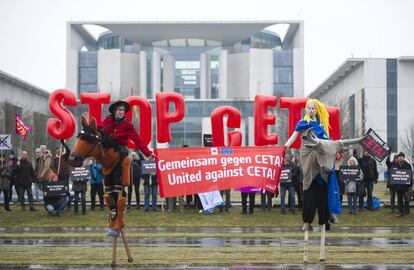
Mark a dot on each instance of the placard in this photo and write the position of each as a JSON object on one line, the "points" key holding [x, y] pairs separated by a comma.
{"points": [[375, 146], [352, 173], [400, 177], [5, 142], [79, 174], [54, 189], [148, 167], [207, 140], [285, 175]]}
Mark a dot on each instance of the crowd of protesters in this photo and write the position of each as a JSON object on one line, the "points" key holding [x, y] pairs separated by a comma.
{"points": [[20, 173]]}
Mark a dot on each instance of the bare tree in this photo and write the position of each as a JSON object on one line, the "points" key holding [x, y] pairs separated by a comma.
{"points": [[407, 144]]}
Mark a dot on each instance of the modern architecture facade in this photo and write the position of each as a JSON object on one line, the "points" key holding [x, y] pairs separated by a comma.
{"points": [[207, 62], [375, 93]]}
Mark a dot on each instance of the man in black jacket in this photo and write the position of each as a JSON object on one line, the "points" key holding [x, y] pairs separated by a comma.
{"points": [[24, 178], [369, 168], [403, 203]]}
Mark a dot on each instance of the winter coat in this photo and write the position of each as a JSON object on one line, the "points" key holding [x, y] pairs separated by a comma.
{"points": [[404, 166], [64, 169], [37, 168], [122, 130], [294, 172], [45, 169], [5, 173], [24, 174], [135, 171], [369, 168]]}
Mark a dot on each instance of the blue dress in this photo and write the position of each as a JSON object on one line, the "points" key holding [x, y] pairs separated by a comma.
{"points": [[334, 202]]}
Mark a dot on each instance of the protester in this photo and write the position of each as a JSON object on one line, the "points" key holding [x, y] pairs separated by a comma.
{"points": [[390, 165], [61, 167], [341, 184], [403, 202], [13, 166], [37, 187], [150, 186], [172, 203], [45, 171], [96, 184], [135, 179], [80, 187], [24, 179], [298, 180], [5, 173], [55, 198], [288, 186], [198, 204], [369, 168], [266, 199], [225, 193], [351, 187], [251, 193]]}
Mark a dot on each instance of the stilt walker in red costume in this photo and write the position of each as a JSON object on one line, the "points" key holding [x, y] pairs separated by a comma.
{"points": [[108, 144], [120, 129]]}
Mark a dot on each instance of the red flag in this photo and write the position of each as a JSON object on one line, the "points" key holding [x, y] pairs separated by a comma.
{"points": [[21, 128]]}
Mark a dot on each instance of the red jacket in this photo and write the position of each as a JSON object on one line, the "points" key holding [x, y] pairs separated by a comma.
{"points": [[121, 131]]}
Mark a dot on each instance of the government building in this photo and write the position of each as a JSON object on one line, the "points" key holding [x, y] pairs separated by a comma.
{"points": [[209, 63]]}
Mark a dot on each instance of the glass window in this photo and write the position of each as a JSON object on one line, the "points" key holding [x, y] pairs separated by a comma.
{"points": [[282, 58], [88, 59], [283, 90], [283, 75], [87, 76], [392, 103]]}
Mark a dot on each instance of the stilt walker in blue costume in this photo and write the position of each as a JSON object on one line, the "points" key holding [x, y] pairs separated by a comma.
{"points": [[317, 156]]}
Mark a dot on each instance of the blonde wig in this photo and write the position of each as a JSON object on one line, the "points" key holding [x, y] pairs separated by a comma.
{"points": [[321, 113]]}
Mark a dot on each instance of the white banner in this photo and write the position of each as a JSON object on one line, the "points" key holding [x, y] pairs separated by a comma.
{"points": [[209, 200], [5, 142]]}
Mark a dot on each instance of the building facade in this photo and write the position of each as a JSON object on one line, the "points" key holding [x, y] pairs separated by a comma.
{"points": [[373, 93], [207, 62], [31, 104]]}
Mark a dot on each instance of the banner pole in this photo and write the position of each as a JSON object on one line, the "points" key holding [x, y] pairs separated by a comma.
{"points": [[60, 156]]}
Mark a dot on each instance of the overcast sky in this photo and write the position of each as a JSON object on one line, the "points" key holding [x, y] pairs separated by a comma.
{"points": [[33, 33]]}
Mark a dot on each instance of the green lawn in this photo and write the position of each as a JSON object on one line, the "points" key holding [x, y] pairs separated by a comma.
{"points": [[156, 256]]}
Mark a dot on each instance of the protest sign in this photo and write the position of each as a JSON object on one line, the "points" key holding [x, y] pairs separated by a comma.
{"points": [[207, 140], [148, 167], [183, 171], [400, 177], [54, 189], [375, 146], [209, 200], [5, 142], [286, 176], [351, 173], [79, 174]]}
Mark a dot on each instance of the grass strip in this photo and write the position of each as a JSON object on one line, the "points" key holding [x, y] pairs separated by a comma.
{"points": [[203, 256]]}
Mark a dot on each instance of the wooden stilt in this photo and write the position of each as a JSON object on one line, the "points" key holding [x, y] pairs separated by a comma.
{"points": [[114, 240], [130, 259], [322, 251], [306, 243]]}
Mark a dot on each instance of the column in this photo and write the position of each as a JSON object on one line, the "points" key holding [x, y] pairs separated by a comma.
{"points": [[223, 74], [143, 73], [168, 73], [156, 73], [205, 74]]}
